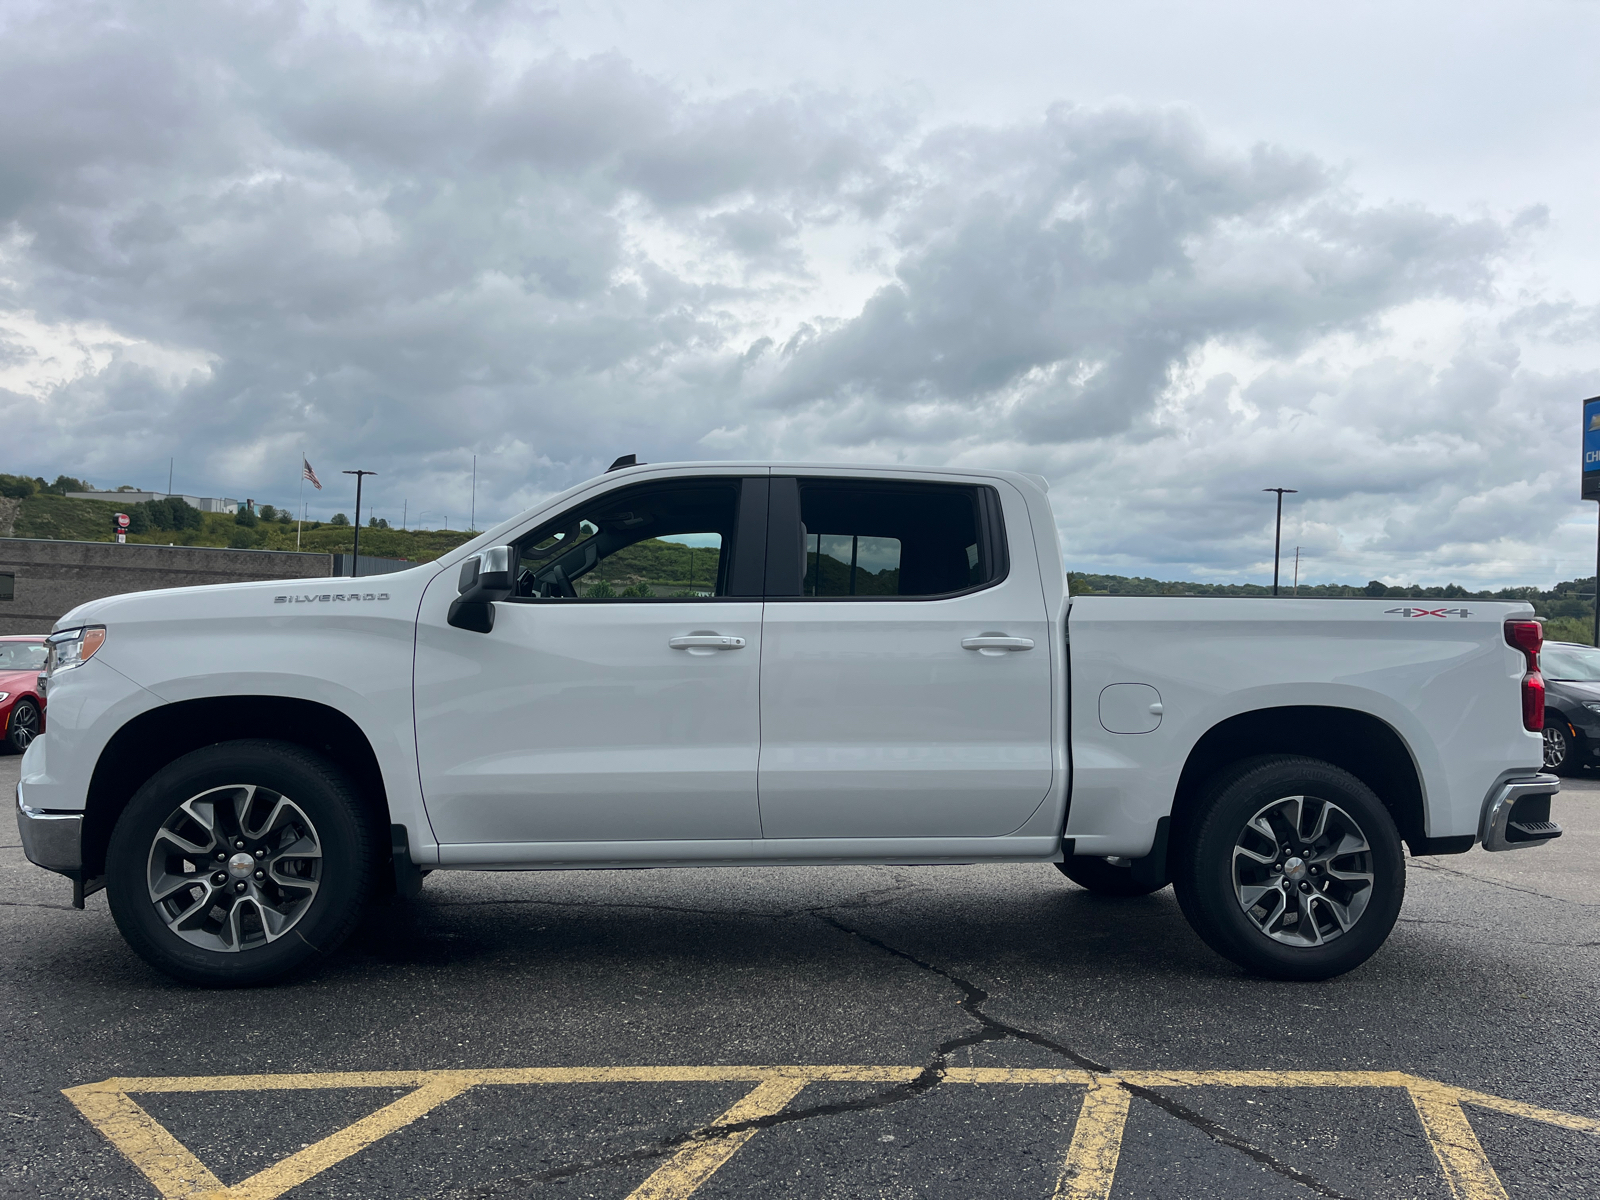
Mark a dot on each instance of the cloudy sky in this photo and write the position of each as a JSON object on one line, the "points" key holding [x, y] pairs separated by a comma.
{"points": [[1164, 254]]}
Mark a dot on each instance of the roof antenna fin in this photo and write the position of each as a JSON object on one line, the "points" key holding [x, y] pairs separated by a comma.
{"points": [[627, 460]]}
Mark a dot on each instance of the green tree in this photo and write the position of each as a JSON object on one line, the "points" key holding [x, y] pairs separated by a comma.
{"points": [[66, 483], [640, 591], [172, 513], [339, 519], [17, 487], [243, 539], [268, 513], [1376, 588], [600, 590], [247, 518]]}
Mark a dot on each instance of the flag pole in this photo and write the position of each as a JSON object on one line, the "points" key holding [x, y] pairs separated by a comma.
{"points": [[302, 505]]}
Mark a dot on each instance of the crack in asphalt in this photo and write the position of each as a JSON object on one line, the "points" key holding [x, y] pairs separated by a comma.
{"points": [[991, 1029], [994, 1029], [35, 904], [1510, 887]]}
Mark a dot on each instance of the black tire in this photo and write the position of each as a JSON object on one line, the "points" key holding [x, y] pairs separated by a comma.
{"points": [[23, 725], [1105, 878], [323, 811], [1277, 941], [1563, 753]]}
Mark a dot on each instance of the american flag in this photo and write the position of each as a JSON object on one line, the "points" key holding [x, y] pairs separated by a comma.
{"points": [[308, 473]]}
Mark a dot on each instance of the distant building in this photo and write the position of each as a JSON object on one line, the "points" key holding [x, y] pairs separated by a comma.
{"points": [[213, 504]]}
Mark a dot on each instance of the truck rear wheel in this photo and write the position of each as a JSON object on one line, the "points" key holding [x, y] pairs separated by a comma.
{"points": [[240, 863], [1105, 877], [1291, 867]]}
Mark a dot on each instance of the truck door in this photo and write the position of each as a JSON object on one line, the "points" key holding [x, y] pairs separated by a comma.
{"points": [[615, 698], [905, 673]]}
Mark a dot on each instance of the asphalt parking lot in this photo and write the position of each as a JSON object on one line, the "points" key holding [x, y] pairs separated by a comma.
{"points": [[840, 1032]]}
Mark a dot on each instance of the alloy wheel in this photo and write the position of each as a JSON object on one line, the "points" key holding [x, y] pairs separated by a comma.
{"points": [[1302, 871], [1555, 746], [24, 724], [234, 868]]}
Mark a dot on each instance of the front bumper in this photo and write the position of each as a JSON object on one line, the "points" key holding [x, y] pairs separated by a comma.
{"points": [[1516, 815], [51, 840]]}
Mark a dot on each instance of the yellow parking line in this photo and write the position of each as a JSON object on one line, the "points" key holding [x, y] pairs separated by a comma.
{"points": [[1091, 1164], [162, 1158], [314, 1159], [679, 1176], [1087, 1173], [1466, 1167], [1531, 1112]]}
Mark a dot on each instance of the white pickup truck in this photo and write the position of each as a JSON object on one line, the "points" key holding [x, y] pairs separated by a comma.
{"points": [[717, 664]]}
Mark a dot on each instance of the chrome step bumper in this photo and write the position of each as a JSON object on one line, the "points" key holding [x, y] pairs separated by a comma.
{"points": [[1505, 828]]}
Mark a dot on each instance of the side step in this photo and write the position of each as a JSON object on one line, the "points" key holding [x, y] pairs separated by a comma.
{"points": [[1532, 831]]}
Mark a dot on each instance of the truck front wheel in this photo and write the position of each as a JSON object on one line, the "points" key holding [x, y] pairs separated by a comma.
{"points": [[240, 863], [1291, 867]]}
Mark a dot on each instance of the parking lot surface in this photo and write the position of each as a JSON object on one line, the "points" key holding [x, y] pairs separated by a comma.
{"points": [[840, 1032]]}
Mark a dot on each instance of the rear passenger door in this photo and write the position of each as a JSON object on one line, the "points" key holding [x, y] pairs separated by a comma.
{"points": [[905, 662]]}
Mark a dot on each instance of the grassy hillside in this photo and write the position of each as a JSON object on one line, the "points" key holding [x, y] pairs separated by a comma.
{"points": [[666, 568], [46, 515]]}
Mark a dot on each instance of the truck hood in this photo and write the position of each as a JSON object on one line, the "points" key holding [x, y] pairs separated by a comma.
{"points": [[261, 597]]}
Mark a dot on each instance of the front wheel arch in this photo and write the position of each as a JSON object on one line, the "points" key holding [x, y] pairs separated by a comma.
{"points": [[153, 739]]}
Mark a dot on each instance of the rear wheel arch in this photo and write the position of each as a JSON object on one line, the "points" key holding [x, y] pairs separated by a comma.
{"points": [[1358, 742], [153, 739]]}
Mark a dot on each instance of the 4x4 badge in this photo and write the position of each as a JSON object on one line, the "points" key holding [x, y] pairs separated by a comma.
{"points": [[1428, 612]]}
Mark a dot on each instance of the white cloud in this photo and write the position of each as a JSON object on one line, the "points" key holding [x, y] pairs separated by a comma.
{"points": [[407, 236]]}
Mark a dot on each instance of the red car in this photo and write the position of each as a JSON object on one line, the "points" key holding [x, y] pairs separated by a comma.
{"points": [[21, 707]]}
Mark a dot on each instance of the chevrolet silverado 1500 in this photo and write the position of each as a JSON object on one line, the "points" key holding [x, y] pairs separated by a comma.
{"points": [[697, 665]]}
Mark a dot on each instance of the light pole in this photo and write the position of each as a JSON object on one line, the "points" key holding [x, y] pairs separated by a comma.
{"points": [[355, 553], [1277, 537]]}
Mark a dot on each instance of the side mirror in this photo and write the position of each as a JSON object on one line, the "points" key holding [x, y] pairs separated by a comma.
{"points": [[485, 578]]}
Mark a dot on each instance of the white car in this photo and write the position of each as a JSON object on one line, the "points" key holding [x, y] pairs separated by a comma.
{"points": [[698, 665]]}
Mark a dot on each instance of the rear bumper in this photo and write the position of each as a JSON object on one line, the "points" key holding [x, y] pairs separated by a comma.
{"points": [[1505, 828]]}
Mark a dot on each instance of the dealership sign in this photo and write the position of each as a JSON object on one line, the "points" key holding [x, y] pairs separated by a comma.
{"points": [[1591, 449]]}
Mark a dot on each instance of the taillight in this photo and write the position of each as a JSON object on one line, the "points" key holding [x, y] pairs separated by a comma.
{"points": [[1528, 636]]}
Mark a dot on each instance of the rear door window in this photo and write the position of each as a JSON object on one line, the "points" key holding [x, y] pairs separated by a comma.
{"points": [[879, 541]]}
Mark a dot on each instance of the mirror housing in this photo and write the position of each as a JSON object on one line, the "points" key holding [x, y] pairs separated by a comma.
{"points": [[484, 578]]}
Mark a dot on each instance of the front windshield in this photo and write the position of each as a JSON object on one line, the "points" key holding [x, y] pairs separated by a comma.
{"points": [[1579, 663], [22, 656]]}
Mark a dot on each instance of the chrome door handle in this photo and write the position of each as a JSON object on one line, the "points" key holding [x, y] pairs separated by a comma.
{"points": [[704, 643], [993, 643]]}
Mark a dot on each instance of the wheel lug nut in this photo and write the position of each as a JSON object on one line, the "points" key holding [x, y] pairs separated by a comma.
{"points": [[261, 853], [238, 843], [261, 874], [219, 879], [221, 856], [239, 887], [1304, 887]]}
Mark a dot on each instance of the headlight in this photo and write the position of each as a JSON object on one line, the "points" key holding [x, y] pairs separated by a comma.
{"points": [[1594, 708], [4, 696], [73, 647]]}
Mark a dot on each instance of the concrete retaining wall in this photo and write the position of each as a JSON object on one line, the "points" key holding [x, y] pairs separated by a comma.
{"points": [[52, 578]]}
